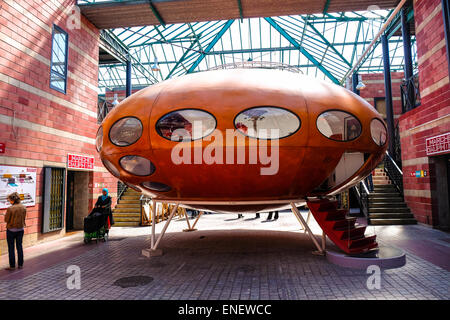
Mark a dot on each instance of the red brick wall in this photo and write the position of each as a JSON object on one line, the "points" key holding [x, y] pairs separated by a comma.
{"points": [[48, 124], [432, 117], [375, 89]]}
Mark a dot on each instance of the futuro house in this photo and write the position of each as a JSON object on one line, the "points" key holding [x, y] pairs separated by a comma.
{"points": [[242, 140]]}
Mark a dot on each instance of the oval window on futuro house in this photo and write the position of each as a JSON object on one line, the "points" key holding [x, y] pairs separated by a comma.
{"points": [[125, 131], [267, 122], [186, 125], [378, 132], [137, 165], [339, 125], [111, 168], [99, 139], [156, 186]]}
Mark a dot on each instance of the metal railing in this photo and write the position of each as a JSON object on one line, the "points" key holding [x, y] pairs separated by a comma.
{"points": [[410, 93], [103, 108], [394, 172], [121, 188], [258, 65], [362, 194]]}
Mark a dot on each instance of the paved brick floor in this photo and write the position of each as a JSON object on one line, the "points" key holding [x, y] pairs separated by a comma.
{"points": [[228, 259]]}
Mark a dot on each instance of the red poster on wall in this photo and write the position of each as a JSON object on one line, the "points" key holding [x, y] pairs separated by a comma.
{"points": [[75, 161], [438, 145]]}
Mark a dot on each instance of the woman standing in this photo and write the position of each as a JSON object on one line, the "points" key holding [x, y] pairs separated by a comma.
{"points": [[15, 224], [104, 203]]}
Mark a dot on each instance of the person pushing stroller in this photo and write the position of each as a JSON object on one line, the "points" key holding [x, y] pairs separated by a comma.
{"points": [[103, 205]]}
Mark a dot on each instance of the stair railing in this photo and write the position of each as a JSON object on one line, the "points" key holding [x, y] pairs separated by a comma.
{"points": [[394, 172], [362, 194], [121, 188]]}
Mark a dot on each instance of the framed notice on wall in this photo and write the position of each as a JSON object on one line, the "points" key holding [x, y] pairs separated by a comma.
{"points": [[17, 179]]}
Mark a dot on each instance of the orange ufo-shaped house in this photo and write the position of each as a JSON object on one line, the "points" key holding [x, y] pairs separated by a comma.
{"points": [[241, 140]]}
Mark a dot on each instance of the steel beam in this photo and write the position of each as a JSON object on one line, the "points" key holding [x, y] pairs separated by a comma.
{"points": [[211, 45], [388, 93], [406, 35], [301, 49], [156, 13]]}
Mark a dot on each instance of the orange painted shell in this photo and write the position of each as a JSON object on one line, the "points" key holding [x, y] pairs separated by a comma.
{"points": [[307, 157]]}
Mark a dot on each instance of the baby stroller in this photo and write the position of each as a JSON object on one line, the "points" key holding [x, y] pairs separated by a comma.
{"points": [[95, 226]]}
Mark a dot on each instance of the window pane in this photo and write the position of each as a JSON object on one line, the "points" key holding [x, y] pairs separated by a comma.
{"points": [[111, 168], [156, 186], [378, 132], [339, 125], [99, 139], [125, 132], [186, 125], [59, 60], [265, 122], [137, 165]]}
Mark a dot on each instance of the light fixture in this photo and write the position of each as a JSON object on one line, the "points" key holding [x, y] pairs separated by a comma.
{"points": [[155, 66], [115, 101], [360, 85]]}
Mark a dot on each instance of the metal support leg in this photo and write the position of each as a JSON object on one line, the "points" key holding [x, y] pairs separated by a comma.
{"points": [[198, 217], [153, 210], [319, 251], [153, 251], [195, 222], [324, 241]]}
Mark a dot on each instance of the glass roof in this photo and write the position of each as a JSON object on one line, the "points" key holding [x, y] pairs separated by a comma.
{"points": [[324, 46]]}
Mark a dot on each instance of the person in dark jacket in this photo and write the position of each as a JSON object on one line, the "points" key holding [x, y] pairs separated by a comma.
{"points": [[269, 217], [103, 205], [15, 224]]}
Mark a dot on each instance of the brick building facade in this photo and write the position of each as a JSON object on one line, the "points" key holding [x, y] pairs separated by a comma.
{"points": [[426, 195], [39, 125], [374, 92]]}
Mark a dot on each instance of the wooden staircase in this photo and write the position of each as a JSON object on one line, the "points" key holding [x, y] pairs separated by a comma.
{"points": [[127, 212], [386, 204]]}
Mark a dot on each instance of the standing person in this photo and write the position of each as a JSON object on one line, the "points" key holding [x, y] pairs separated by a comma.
{"points": [[269, 217], [104, 203], [15, 224]]}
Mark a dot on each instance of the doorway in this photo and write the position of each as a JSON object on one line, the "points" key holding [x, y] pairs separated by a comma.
{"points": [[70, 200], [77, 204], [442, 191]]}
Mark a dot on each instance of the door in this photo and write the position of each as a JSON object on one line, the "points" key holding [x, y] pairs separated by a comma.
{"points": [[70, 200]]}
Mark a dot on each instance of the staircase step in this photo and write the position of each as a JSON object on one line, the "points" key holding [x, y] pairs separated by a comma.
{"points": [[344, 224], [122, 201], [131, 197], [124, 219], [128, 205], [391, 186], [126, 214], [391, 215], [126, 224], [393, 204], [134, 210], [336, 215], [354, 233], [364, 248], [362, 242], [383, 192], [383, 198], [389, 210], [391, 221]]}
